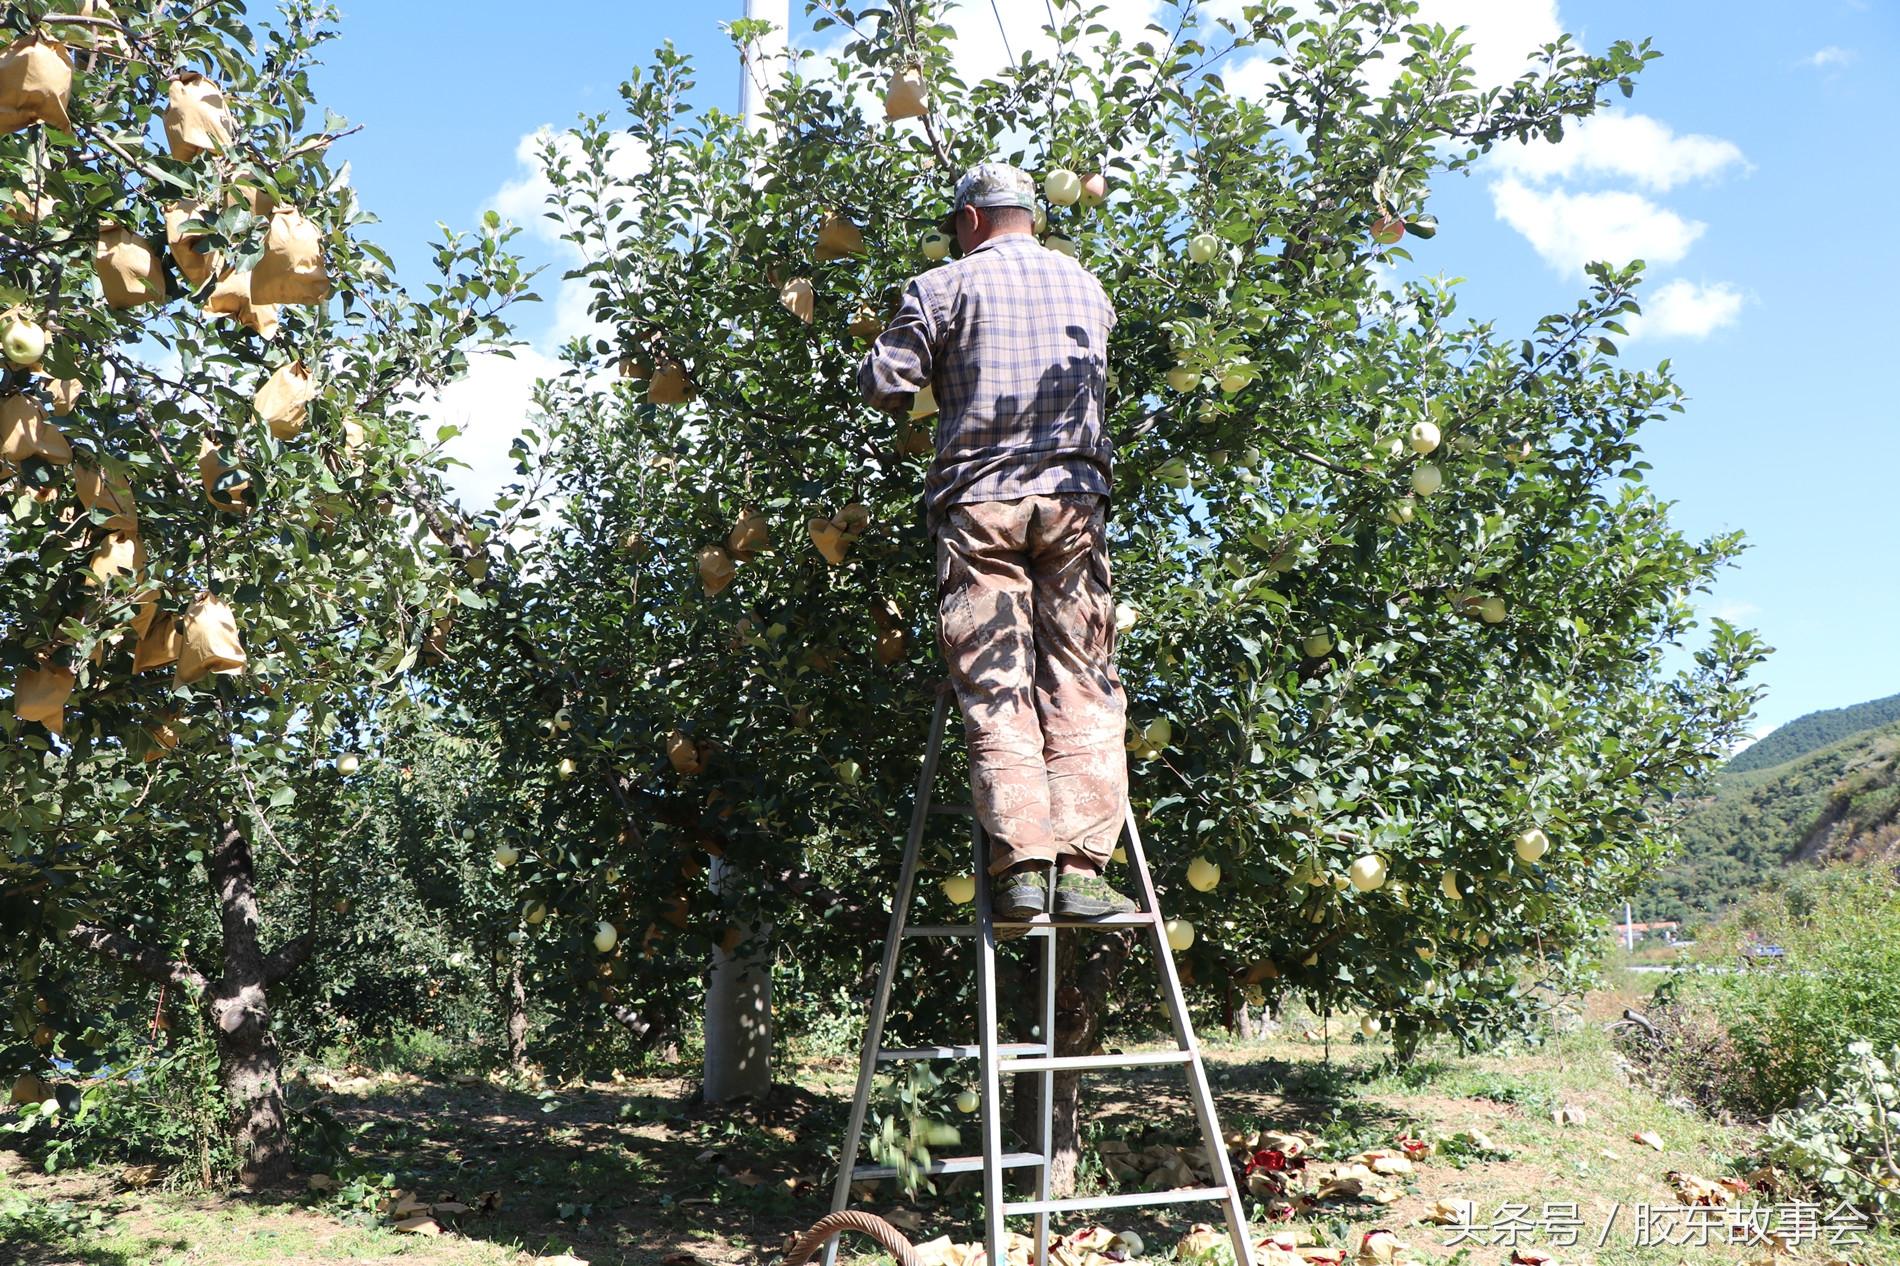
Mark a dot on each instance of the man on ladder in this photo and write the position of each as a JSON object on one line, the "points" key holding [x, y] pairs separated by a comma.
{"points": [[1013, 338]]}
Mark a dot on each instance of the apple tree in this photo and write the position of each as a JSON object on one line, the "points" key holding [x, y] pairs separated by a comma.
{"points": [[214, 555], [1399, 611]]}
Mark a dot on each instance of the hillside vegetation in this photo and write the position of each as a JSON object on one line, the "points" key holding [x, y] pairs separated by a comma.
{"points": [[1842, 800], [1815, 731]]}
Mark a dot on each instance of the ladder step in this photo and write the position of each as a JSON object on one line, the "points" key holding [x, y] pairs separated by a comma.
{"points": [[971, 1051], [1133, 1200], [948, 1165], [961, 810], [957, 929], [1136, 920], [1088, 1063]]}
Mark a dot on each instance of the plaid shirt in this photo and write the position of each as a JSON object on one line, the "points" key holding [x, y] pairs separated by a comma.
{"points": [[1013, 339]]}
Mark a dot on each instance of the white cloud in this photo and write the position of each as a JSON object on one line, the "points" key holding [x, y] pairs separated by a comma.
{"points": [[523, 198], [492, 404], [1686, 309], [1832, 55], [1569, 230], [1632, 146]]}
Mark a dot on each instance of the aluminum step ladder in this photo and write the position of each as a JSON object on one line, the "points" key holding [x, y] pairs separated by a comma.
{"points": [[997, 1059]]}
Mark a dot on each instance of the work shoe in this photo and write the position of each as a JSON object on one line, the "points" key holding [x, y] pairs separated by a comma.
{"points": [[1021, 895], [1081, 896]]}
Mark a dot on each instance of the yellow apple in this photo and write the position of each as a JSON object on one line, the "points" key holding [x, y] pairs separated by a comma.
{"points": [[969, 1101], [567, 767], [1368, 873], [533, 913], [605, 937], [348, 763], [1423, 437], [960, 888], [1483, 939], [1041, 221], [1370, 1026], [1180, 934], [934, 245], [24, 342], [1181, 378], [1427, 953], [1158, 732], [1427, 479], [1203, 247], [1119, 855], [1062, 187], [1236, 377], [506, 855], [1203, 875], [1248, 459], [563, 720], [1532, 844], [1130, 1243]]}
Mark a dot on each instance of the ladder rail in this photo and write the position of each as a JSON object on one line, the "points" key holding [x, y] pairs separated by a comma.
{"points": [[991, 1107], [887, 974], [1219, 1164]]}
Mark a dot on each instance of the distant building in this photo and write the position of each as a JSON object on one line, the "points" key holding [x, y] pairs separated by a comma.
{"points": [[1662, 930]]}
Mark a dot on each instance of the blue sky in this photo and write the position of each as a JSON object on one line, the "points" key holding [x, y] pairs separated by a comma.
{"points": [[1754, 168]]}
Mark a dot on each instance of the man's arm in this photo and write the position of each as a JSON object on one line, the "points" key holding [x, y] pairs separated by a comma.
{"points": [[901, 361]]}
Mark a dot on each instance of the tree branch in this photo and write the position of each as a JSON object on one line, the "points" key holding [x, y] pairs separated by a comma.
{"points": [[147, 960], [288, 957]]}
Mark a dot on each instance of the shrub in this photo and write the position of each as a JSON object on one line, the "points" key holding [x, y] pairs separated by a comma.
{"points": [[1842, 1141], [1837, 982]]}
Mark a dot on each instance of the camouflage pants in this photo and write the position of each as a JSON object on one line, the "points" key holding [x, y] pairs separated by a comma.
{"points": [[1028, 630]]}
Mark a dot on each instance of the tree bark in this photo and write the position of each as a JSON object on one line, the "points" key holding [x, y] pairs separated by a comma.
{"points": [[515, 999], [249, 1063], [738, 1008], [1087, 967]]}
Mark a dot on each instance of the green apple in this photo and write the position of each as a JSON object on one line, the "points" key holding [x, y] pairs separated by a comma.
{"points": [[1402, 510], [935, 246], [24, 342], [506, 855], [1236, 377], [1203, 875], [1158, 733], [605, 937], [961, 889], [1181, 378], [1060, 245], [1367, 873], [1427, 479], [468, 833], [1249, 458], [1062, 187], [533, 913], [1318, 645], [1203, 247], [348, 763], [1180, 934], [567, 767], [1423, 437], [1041, 221], [1532, 844], [1492, 610], [969, 1101]]}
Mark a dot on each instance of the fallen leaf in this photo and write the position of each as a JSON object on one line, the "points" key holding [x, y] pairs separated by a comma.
{"points": [[450, 1206], [406, 1205], [1377, 1248], [746, 1178], [488, 1202], [1693, 1189], [140, 1175], [420, 1226], [1453, 1211], [559, 1259], [1569, 1115], [320, 1182]]}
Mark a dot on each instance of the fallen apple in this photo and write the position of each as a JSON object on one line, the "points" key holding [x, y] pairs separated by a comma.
{"points": [[1180, 934], [1367, 873], [1423, 437], [1532, 844], [1427, 479], [1062, 187], [961, 889], [1130, 1243], [605, 937], [1203, 247]]}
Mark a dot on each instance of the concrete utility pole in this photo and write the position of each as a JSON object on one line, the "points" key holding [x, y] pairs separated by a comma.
{"points": [[738, 1034], [1629, 929]]}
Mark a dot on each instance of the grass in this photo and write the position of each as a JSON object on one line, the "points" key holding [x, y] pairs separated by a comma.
{"points": [[633, 1172]]}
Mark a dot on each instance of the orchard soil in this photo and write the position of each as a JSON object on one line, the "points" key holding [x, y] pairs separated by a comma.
{"points": [[633, 1172]]}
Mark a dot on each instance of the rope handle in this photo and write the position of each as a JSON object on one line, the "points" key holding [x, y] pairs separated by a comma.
{"points": [[887, 1236]]}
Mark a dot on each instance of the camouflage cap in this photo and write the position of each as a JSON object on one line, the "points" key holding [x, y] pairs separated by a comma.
{"points": [[994, 185]]}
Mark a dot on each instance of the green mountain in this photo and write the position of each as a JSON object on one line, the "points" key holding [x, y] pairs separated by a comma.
{"points": [[1815, 731], [1836, 801]]}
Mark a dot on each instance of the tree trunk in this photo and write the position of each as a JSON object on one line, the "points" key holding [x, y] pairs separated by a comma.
{"points": [[738, 1034], [515, 998], [1087, 967], [1243, 1022], [249, 1065]]}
